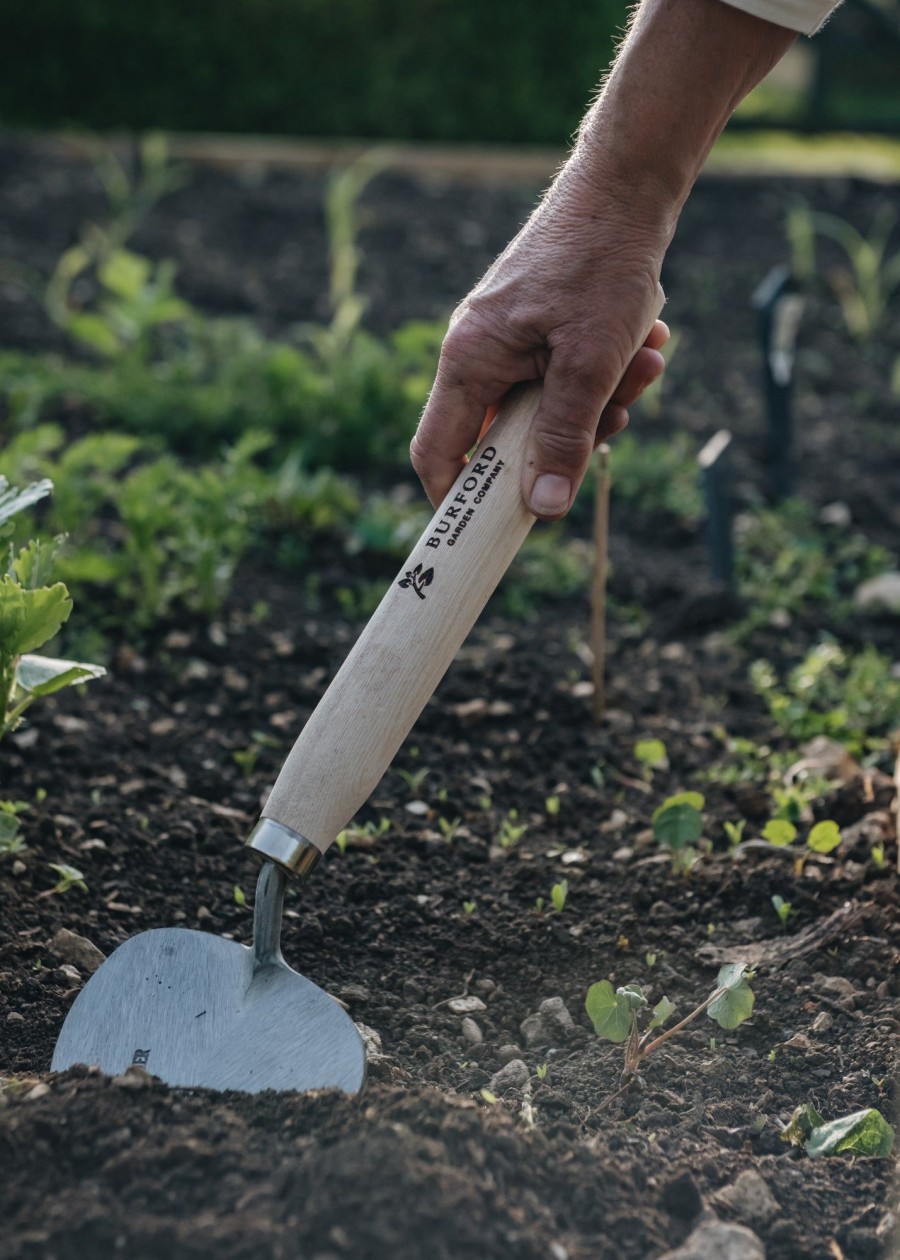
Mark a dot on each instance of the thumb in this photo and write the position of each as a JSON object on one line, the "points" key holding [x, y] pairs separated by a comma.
{"points": [[563, 434]]}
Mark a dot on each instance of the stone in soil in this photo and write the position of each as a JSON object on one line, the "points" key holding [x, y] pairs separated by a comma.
{"points": [[551, 1023], [714, 1240], [72, 948], [749, 1199], [515, 1075]]}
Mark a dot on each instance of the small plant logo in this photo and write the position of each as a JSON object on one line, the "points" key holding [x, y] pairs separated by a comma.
{"points": [[417, 579], [141, 1057]]}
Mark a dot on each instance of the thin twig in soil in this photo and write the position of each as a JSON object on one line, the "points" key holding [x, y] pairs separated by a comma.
{"points": [[467, 980]]}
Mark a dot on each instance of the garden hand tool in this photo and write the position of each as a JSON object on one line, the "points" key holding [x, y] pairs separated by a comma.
{"points": [[198, 1010]]}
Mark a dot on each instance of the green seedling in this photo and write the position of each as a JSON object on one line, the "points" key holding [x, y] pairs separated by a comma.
{"points": [[414, 778], [784, 909], [735, 832], [558, 894], [362, 835], [615, 1013], [551, 805], [511, 830], [541, 1071], [650, 958], [824, 837], [597, 777], [69, 877], [11, 841], [240, 897], [539, 904], [469, 907], [864, 1132], [779, 832], [449, 827], [865, 288], [877, 854], [652, 755], [246, 758], [678, 825]]}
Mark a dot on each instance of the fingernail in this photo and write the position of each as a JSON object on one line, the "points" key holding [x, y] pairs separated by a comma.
{"points": [[550, 494]]}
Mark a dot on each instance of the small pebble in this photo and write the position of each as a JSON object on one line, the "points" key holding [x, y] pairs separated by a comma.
{"points": [[714, 1240], [509, 1052], [19, 868], [38, 1091], [822, 1022], [15, 1018], [750, 1199], [514, 1075], [471, 1032], [466, 1005], [72, 948]]}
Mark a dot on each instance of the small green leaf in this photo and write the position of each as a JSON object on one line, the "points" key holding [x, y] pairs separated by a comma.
{"points": [[864, 1133], [695, 799], [780, 832], [609, 1012], [124, 273], [633, 994], [240, 897], [30, 618], [824, 837], [731, 975], [677, 825], [42, 675], [804, 1119], [94, 331], [558, 894], [662, 1011], [488, 1096], [651, 753], [733, 1007], [13, 500]]}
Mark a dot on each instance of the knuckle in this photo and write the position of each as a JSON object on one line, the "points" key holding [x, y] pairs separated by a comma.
{"points": [[562, 445]]}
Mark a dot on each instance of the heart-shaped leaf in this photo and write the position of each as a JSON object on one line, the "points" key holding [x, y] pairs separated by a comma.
{"points": [[824, 837], [677, 825], [609, 1012]]}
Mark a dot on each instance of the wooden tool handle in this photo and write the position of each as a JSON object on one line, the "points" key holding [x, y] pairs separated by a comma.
{"points": [[401, 656]]}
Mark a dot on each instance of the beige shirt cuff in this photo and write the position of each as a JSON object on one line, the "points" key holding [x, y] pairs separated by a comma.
{"points": [[797, 15]]}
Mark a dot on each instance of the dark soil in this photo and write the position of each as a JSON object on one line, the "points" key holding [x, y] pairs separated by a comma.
{"points": [[143, 794]]}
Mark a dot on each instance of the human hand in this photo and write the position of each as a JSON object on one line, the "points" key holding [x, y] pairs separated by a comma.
{"points": [[569, 301]]}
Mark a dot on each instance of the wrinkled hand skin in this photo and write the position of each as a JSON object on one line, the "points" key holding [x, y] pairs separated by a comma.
{"points": [[569, 301], [573, 297]]}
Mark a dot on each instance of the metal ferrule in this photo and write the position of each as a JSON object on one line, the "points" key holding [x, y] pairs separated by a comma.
{"points": [[276, 843]]}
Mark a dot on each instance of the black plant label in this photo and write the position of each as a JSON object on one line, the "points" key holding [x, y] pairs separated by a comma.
{"points": [[417, 578]]}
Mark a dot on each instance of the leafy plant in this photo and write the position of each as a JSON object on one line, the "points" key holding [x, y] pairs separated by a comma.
{"points": [[790, 564], [678, 825], [31, 613], [11, 841], [866, 286], [511, 830], [616, 1014], [863, 1132], [655, 475], [852, 697], [68, 877]]}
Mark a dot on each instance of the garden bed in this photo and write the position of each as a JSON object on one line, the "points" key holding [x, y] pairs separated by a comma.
{"points": [[136, 783]]}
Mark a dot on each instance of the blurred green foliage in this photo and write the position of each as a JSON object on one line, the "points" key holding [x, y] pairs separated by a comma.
{"points": [[435, 70]]}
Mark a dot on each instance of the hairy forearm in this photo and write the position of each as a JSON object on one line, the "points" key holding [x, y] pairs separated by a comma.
{"points": [[683, 68]]}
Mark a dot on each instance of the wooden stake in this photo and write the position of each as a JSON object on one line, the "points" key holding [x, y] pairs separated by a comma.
{"points": [[598, 585]]}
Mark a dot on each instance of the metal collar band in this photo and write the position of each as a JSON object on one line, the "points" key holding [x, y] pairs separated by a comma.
{"points": [[286, 848]]}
